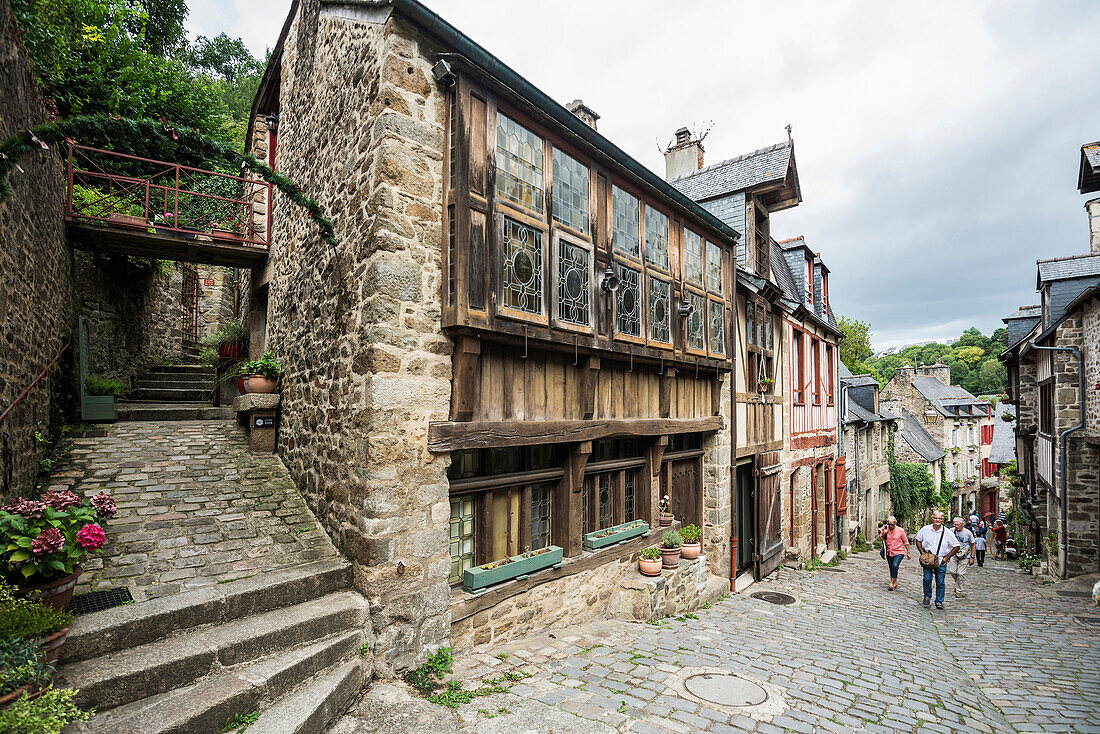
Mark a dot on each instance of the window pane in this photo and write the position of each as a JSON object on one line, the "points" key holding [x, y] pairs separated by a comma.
{"points": [[696, 338], [714, 268], [586, 524], [573, 283], [522, 252], [628, 494], [693, 257], [717, 327], [605, 500], [656, 237], [570, 192], [451, 287], [624, 222], [628, 316], [461, 536], [660, 314], [519, 164], [750, 317], [540, 516]]}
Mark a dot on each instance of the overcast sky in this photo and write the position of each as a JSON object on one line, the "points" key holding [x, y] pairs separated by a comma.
{"points": [[937, 142]]}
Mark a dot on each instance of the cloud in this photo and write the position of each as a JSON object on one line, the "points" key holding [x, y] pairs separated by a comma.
{"points": [[937, 141]]}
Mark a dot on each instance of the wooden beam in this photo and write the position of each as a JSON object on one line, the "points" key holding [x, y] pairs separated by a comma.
{"points": [[453, 436], [568, 529], [589, 377], [164, 246], [650, 490], [665, 398], [467, 385]]}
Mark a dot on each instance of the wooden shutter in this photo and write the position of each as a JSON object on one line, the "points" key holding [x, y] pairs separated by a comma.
{"points": [[841, 486], [769, 518]]}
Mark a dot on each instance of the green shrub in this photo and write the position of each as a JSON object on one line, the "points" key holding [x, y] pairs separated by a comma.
{"points": [[652, 553], [265, 365], [46, 714], [425, 678], [233, 332], [859, 544], [22, 664], [672, 539], [99, 385], [21, 618], [691, 534]]}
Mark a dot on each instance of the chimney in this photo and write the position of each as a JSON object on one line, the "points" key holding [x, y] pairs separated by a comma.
{"points": [[587, 114], [1093, 208], [684, 157], [938, 370]]}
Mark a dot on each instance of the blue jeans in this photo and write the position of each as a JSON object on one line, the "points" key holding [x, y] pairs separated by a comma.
{"points": [[941, 583], [895, 564]]}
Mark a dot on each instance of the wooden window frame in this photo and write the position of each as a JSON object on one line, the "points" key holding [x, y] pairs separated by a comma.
{"points": [[502, 310], [712, 299], [757, 353], [815, 353], [830, 380], [617, 468], [798, 371], [639, 259], [761, 238], [701, 283], [556, 224], [643, 323], [547, 160], [669, 221], [686, 290], [721, 292], [650, 341], [566, 235], [1046, 407]]}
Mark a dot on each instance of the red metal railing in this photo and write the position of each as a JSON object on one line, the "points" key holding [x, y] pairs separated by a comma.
{"points": [[145, 194], [34, 382]]}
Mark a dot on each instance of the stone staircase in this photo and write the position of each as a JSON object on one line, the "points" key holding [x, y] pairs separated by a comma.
{"points": [[173, 392], [285, 643]]}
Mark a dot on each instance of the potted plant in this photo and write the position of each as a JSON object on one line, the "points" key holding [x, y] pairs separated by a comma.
{"points": [[31, 620], [164, 223], [261, 375], [225, 231], [100, 396], [649, 563], [46, 713], [23, 670], [671, 542], [228, 339], [44, 541], [614, 534], [505, 569], [666, 515], [764, 383], [691, 545]]}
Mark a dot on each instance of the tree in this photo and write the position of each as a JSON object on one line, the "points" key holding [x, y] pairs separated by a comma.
{"points": [[970, 355], [972, 337], [993, 376], [232, 72], [856, 346]]}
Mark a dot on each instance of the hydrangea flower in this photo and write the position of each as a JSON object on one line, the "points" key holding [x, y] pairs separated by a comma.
{"points": [[104, 505], [27, 508], [91, 537], [49, 540], [62, 500]]}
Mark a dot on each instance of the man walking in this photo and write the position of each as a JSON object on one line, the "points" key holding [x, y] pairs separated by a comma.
{"points": [[963, 559], [1000, 535], [937, 545]]}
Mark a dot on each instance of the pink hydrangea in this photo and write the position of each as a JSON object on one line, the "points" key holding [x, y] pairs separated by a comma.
{"points": [[104, 505], [27, 508], [49, 540], [62, 500], [91, 537]]}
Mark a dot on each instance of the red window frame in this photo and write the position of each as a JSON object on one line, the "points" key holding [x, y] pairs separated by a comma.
{"points": [[799, 388], [830, 383], [815, 353]]}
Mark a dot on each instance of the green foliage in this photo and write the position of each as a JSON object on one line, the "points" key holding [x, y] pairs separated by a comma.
{"points": [[232, 73], [20, 619], [972, 360], [22, 664], [100, 385], [855, 349], [672, 539], [265, 365], [240, 722], [652, 553], [454, 695], [425, 678], [859, 544], [691, 533], [912, 488], [46, 714], [231, 332]]}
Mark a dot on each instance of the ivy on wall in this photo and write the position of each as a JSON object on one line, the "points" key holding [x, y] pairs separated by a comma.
{"points": [[912, 487]]}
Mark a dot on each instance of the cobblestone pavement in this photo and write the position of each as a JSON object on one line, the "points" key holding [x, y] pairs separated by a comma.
{"points": [[195, 507], [848, 656]]}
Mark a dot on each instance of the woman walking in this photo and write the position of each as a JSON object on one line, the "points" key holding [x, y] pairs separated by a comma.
{"points": [[897, 545]]}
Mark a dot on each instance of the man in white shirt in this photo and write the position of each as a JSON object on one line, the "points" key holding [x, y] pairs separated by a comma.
{"points": [[964, 558], [937, 539]]}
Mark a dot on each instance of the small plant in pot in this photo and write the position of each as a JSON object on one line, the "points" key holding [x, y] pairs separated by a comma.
{"points": [[650, 562], [23, 670], [262, 375], [33, 622], [671, 542], [228, 339], [666, 514], [691, 536]]}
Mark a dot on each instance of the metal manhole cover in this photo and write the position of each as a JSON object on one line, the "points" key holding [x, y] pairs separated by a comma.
{"points": [[773, 597], [726, 689], [1089, 621], [1075, 594]]}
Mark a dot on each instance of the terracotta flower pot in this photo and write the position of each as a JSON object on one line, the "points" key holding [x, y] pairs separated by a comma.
{"points": [[55, 592], [689, 550], [260, 384], [242, 385], [670, 557], [127, 220], [9, 698], [230, 350], [649, 567], [51, 646], [666, 519]]}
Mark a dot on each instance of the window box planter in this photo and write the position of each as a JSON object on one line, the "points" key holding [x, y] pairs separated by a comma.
{"points": [[614, 534], [227, 235], [516, 567], [98, 408], [127, 220]]}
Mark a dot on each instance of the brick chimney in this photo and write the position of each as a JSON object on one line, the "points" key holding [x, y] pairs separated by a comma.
{"points": [[684, 157], [938, 370], [1093, 209], [587, 114]]}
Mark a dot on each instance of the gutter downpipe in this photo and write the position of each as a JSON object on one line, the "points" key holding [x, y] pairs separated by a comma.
{"points": [[1063, 459]]}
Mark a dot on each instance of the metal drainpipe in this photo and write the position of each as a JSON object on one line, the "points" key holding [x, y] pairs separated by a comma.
{"points": [[1063, 459]]}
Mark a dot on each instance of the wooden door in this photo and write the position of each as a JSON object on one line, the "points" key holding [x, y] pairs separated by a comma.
{"points": [[685, 491], [830, 503], [746, 518], [769, 518]]}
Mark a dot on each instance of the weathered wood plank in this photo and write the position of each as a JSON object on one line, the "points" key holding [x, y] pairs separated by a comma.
{"points": [[467, 365], [555, 387], [453, 435]]}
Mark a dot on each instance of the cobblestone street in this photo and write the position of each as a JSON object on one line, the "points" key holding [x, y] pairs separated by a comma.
{"points": [[847, 656]]}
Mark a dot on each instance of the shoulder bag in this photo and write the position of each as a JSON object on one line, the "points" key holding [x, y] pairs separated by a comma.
{"points": [[929, 559], [882, 550]]}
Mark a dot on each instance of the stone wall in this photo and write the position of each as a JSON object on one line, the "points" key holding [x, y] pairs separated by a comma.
{"points": [[1090, 325], [641, 598], [358, 327], [717, 492], [36, 268]]}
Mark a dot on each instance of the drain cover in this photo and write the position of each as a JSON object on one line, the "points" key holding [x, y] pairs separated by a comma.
{"points": [[726, 689], [773, 597], [1075, 594], [97, 601], [1091, 621], [833, 569]]}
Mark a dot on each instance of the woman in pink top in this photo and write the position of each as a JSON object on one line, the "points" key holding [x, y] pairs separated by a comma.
{"points": [[897, 544]]}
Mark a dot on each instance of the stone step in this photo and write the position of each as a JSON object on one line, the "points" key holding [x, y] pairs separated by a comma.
{"points": [[192, 411], [186, 367], [207, 705], [170, 394], [118, 628], [186, 379], [315, 706], [139, 672], [828, 556]]}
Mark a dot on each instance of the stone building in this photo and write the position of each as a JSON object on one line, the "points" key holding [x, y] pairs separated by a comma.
{"points": [[1053, 365], [867, 428]]}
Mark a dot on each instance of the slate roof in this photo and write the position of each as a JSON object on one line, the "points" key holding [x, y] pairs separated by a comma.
{"points": [[1091, 152], [949, 400], [918, 439], [1088, 180], [1074, 266], [1020, 323], [737, 174], [859, 380], [1003, 449], [857, 412]]}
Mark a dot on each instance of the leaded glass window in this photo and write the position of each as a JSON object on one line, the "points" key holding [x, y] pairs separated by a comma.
{"points": [[714, 268], [570, 192], [452, 134], [523, 271], [628, 312], [519, 164], [451, 283], [540, 516], [628, 496], [717, 327], [693, 257], [605, 500], [625, 213], [574, 277], [656, 237], [585, 522], [750, 322], [696, 333], [660, 311], [462, 536]]}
